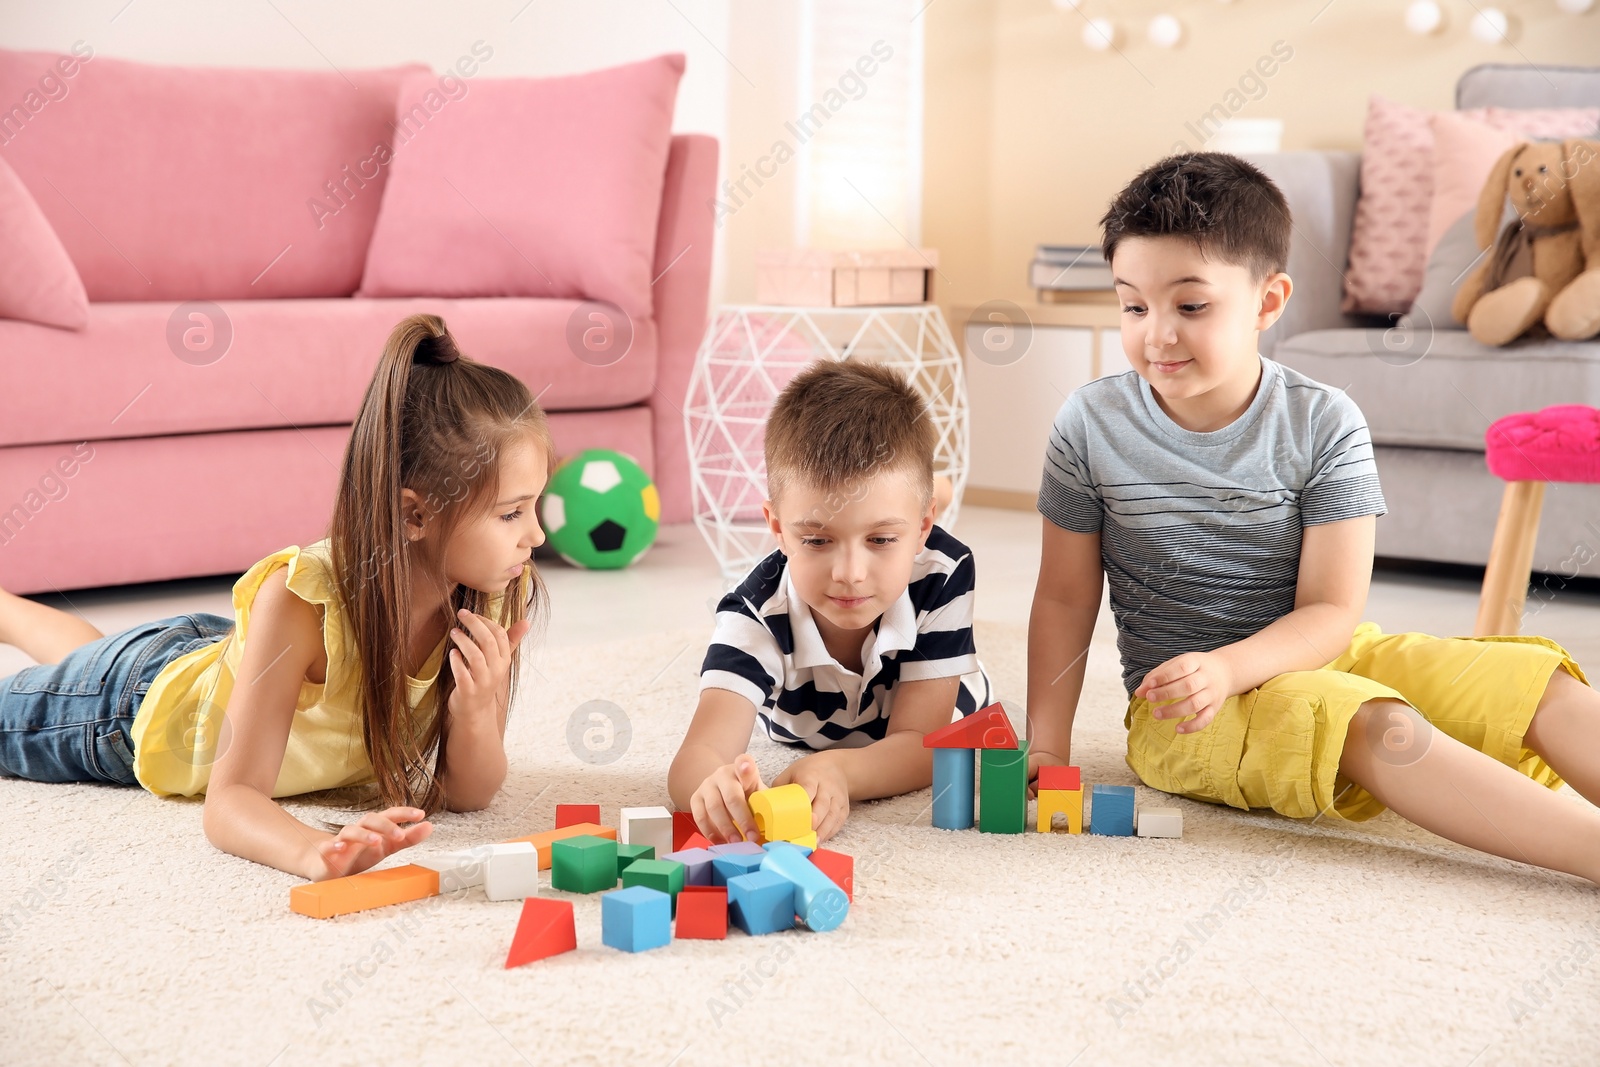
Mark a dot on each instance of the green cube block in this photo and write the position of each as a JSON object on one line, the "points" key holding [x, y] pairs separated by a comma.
{"points": [[1003, 789], [627, 854], [666, 875], [583, 864]]}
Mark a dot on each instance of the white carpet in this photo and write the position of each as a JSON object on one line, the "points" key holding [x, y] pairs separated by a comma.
{"points": [[126, 938]]}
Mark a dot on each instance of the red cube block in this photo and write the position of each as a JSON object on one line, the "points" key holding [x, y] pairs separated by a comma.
{"points": [[703, 912], [573, 814], [839, 868], [1056, 777]]}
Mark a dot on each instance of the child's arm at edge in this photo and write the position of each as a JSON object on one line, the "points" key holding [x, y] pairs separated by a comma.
{"points": [[717, 736], [1330, 596], [240, 816], [1066, 603]]}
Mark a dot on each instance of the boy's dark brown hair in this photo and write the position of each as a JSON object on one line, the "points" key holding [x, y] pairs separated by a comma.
{"points": [[1232, 211], [837, 424]]}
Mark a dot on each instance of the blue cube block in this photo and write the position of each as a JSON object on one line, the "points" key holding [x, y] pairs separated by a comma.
{"points": [[725, 868], [804, 850], [1111, 810], [761, 903], [636, 918], [697, 865]]}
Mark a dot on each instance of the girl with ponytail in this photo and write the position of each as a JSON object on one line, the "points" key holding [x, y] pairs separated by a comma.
{"points": [[384, 655]]}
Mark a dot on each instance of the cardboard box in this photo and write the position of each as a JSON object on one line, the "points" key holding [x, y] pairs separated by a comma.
{"points": [[820, 277]]}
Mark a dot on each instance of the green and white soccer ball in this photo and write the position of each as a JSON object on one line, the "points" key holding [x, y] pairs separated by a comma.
{"points": [[600, 510]]}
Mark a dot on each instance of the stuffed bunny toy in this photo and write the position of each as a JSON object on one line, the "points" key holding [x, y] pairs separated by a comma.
{"points": [[1542, 273]]}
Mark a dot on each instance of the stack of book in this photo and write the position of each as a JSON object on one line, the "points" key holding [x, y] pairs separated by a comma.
{"points": [[1069, 272]]}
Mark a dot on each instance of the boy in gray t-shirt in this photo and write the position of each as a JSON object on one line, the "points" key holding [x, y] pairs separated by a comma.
{"points": [[1231, 503]]}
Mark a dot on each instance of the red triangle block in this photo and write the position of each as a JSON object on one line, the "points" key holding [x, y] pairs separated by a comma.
{"points": [[544, 929], [694, 840], [682, 826], [573, 814], [988, 727]]}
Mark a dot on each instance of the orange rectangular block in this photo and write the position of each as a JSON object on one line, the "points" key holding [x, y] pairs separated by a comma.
{"points": [[358, 892], [543, 841]]}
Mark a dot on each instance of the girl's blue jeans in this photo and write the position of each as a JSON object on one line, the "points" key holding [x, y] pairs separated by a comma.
{"points": [[73, 721]]}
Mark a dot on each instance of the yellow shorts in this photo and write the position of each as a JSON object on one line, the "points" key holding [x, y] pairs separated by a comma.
{"points": [[1279, 746]]}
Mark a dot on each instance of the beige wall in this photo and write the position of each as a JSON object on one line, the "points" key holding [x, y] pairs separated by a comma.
{"points": [[1029, 133]]}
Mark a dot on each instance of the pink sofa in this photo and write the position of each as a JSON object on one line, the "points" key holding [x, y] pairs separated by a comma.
{"points": [[122, 462]]}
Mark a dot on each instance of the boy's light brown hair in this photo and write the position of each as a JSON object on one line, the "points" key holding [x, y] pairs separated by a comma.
{"points": [[838, 424]]}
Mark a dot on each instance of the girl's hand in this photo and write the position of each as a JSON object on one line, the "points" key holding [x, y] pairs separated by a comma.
{"points": [[720, 806], [481, 663], [365, 842], [828, 788], [1194, 684]]}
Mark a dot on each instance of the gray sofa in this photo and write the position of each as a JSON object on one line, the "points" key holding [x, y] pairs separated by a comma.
{"points": [[1429, 393]]}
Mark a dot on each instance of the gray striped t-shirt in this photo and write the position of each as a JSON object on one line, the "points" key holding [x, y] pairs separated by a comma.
{"points": [[1200, 532]]}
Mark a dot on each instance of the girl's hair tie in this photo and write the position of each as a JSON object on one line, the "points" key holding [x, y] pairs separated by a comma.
{"points": [[439, 350]]}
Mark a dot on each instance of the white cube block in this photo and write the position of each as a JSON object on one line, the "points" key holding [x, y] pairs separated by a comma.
{"points": [[1160, 822], [647, 826], [512, 871], [458, 870]]}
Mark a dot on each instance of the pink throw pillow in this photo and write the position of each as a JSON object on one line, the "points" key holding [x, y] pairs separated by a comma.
{"points": [[547, 187], [38, 282], [1389, 242], [1464, 152]]}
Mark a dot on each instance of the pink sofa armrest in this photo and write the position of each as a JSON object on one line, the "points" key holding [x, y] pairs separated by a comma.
{"points": [[681, 294]]}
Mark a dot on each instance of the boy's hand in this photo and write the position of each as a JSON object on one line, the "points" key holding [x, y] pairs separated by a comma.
{"points": [[720, 806], [481, 663], [370, 839], [1193, 684], [829, 789]]}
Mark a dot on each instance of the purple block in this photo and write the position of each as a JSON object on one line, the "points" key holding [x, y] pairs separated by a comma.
{"points": [[697, 865]]}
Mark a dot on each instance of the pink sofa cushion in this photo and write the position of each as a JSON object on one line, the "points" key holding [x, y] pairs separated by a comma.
{"points": [[38, 282], [199, 183], [547, 187], [1557, 444], [287, 363]]}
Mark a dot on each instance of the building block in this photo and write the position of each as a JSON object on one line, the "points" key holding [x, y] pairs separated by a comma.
{"points": [[662, 875], [953, 775], [737, 848], [1058, 777], [695, 840], [358, 892], [635, 919], [840, 869], [820, 904], [696, 863], [683, 825], [459, 870], [573, 814], [1003, 790], [1068, 802], [725, 867], [584, 864], [985, 728], [647, 826], [544, 929], [781, 814], [543, 841], [1160, 822], [512, 872], [761, 902], [703, 912], [626, 854], [1111, 810]]}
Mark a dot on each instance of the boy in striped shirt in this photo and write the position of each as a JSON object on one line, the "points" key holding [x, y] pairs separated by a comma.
{"points": [[854, 638]]}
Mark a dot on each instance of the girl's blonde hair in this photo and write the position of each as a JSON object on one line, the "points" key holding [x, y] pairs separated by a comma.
{"points": [[436, 423]]}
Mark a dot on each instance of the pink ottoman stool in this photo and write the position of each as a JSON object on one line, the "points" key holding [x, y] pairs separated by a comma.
{"points": [[1558, 444]]}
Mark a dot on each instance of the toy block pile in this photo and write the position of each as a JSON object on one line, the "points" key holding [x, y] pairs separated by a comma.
{"points": [[986, 740], [665, 866]]}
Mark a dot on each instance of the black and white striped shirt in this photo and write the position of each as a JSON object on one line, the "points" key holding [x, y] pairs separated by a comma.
{"points": [[767, 648], [1200, 532]]}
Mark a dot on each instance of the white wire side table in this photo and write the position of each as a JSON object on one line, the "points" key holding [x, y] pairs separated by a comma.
{"points": [[750, 352]]}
